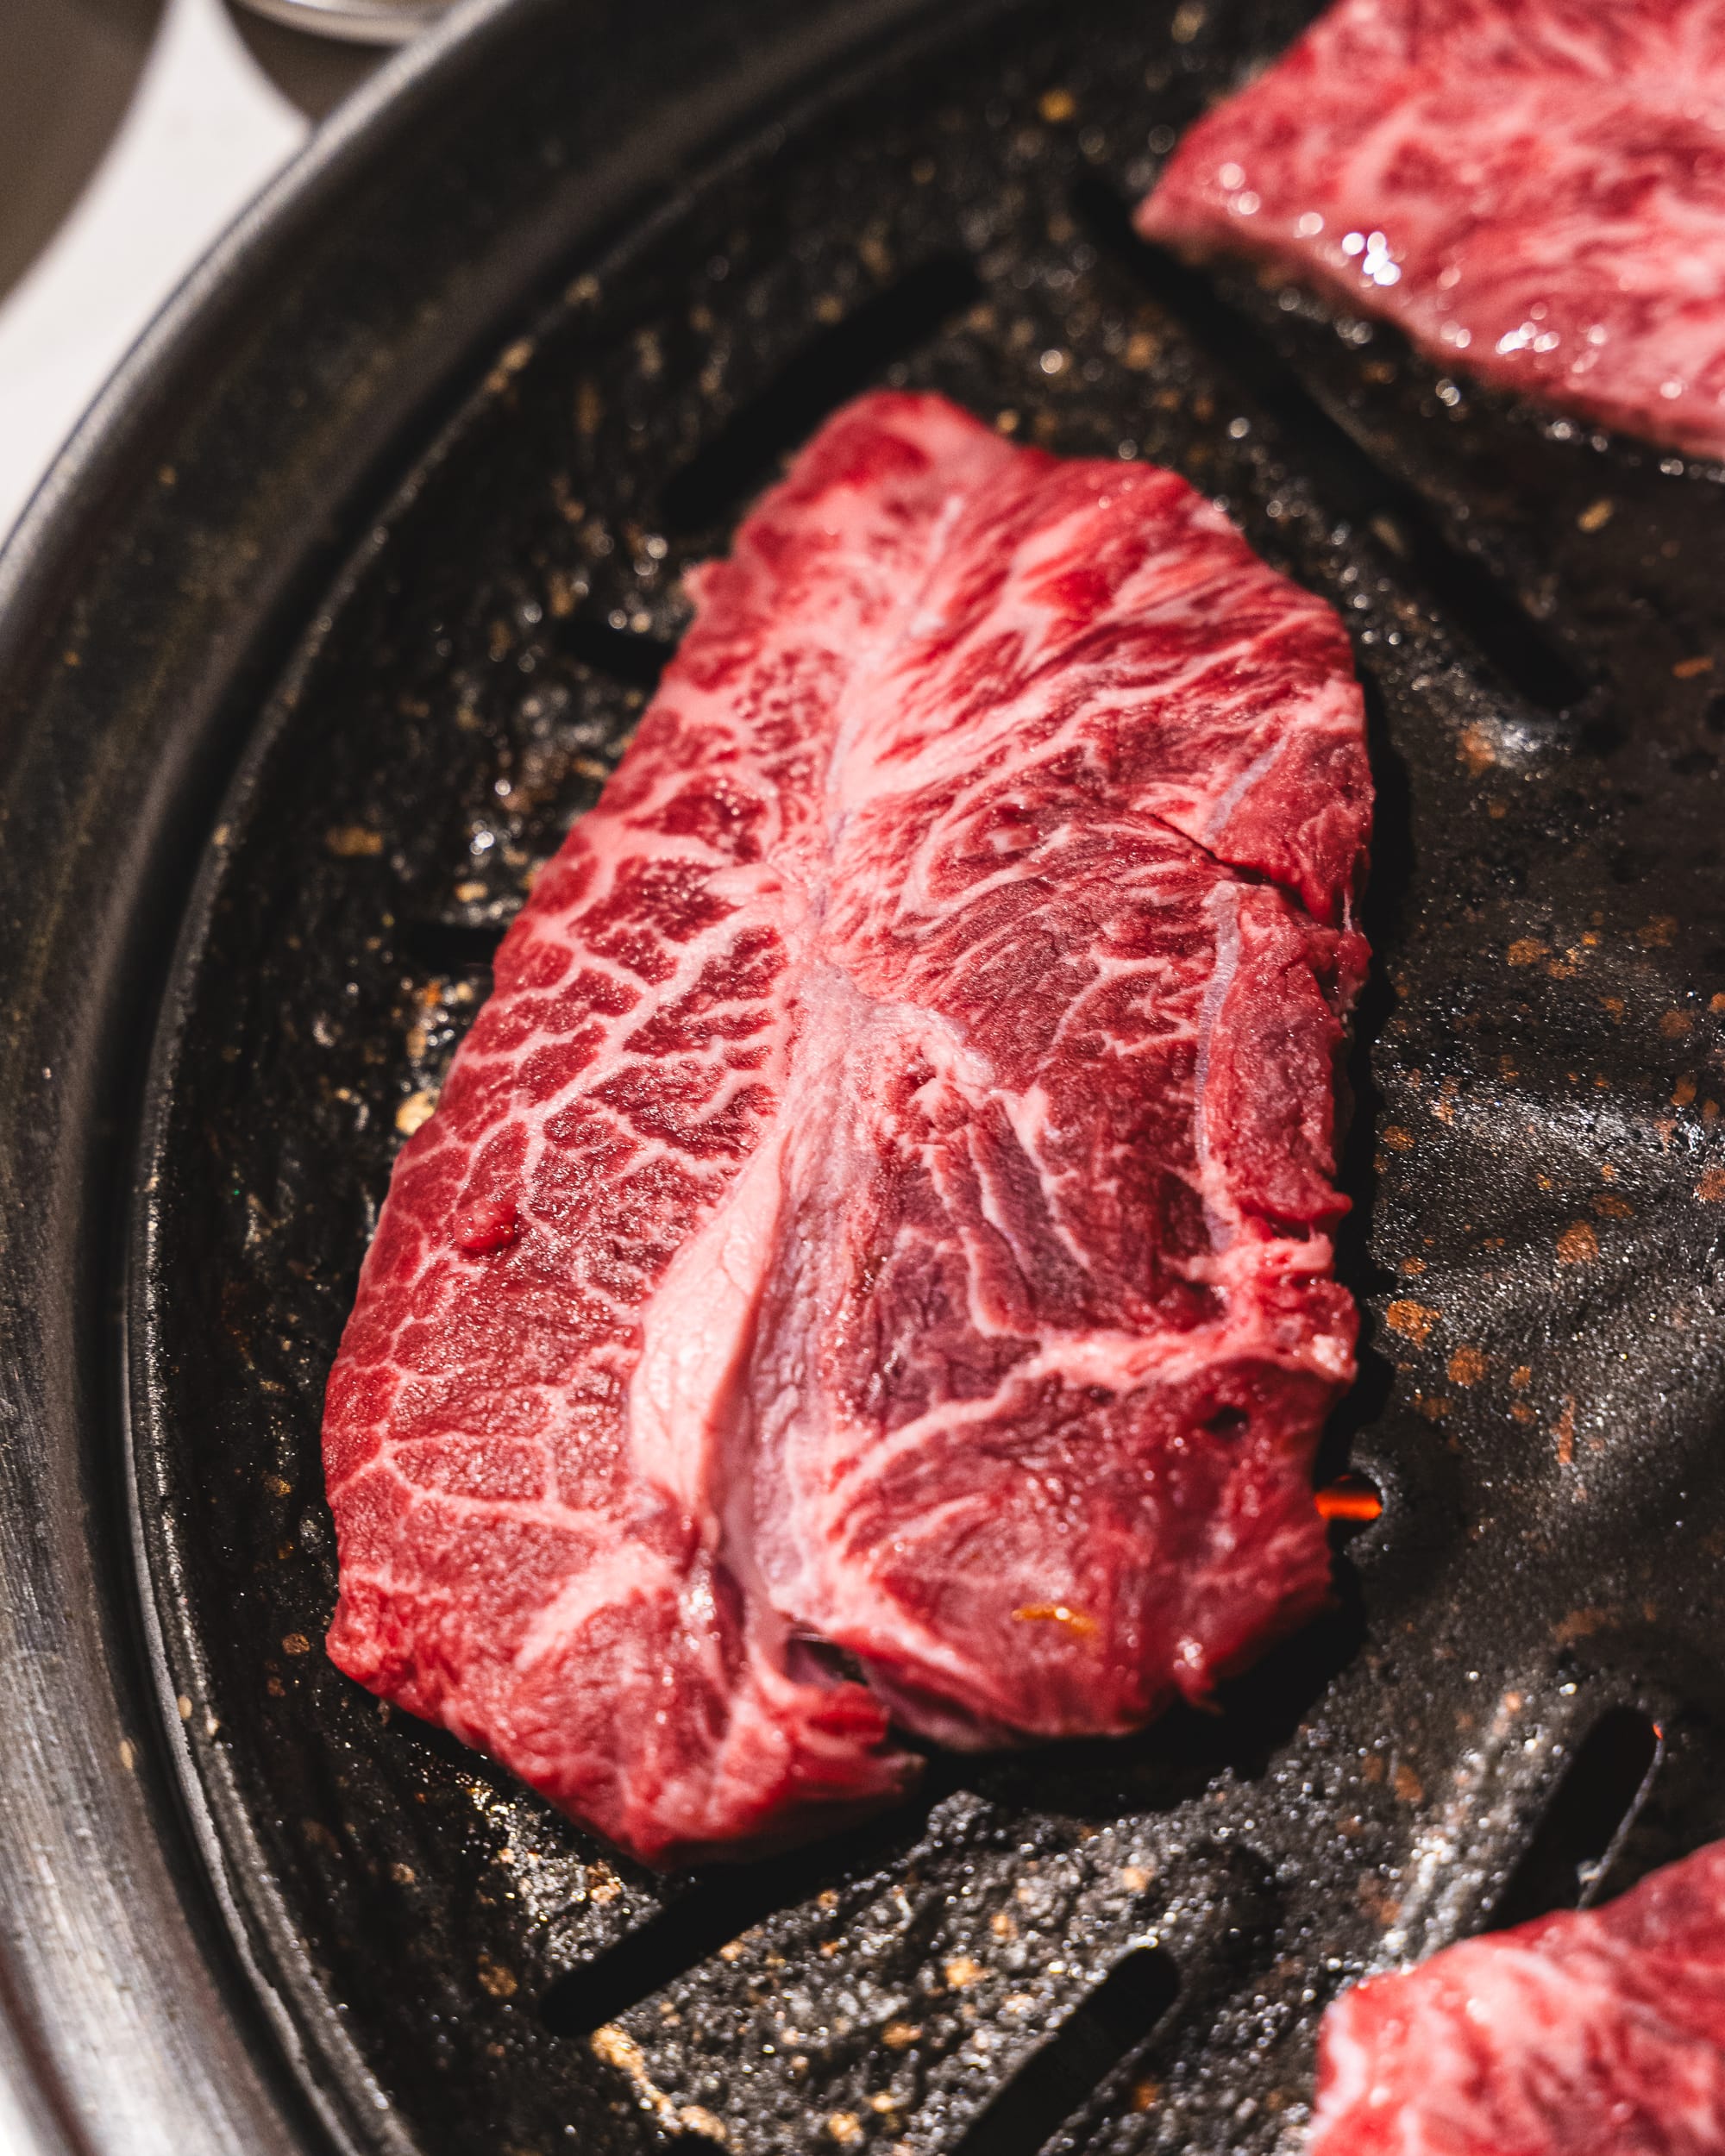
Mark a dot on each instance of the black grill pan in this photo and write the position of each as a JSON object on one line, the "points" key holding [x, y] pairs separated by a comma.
{"points": [[1515, 1701]]}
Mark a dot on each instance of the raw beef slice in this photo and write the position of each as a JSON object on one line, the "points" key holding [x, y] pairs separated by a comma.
{"points": [[879, 1221], [1532, 189], [1601, 2035]]}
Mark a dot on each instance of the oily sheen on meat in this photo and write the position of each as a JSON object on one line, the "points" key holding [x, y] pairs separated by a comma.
{"points": [[1534, 189], [1600, 2034], [878, 1223]]}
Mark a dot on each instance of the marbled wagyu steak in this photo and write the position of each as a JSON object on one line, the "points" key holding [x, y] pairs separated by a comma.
{"points": [[1600, 2034], [1534, 189], [869, 1262]]}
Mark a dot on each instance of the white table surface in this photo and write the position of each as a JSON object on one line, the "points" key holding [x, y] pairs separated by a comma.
{"points": [[206, 128]]}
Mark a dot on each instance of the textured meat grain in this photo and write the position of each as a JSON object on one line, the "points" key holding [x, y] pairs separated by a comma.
{"points": [[883, 1205], [1600, 2034], [1534, 189]]}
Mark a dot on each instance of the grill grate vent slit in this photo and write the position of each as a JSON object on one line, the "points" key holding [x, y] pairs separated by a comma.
{"points": [[721, 1905], [1061, 2077], [689, 1930], [451, 947], [1570, 1859], [845, 359], [635, 660]]}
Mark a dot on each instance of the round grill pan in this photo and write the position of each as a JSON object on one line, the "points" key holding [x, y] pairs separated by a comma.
{"points": [[348, 605]]}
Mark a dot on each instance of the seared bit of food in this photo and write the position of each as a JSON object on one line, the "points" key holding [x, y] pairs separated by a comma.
{"points": [[1534, 189], [1600, 2034], [870, 1257]]}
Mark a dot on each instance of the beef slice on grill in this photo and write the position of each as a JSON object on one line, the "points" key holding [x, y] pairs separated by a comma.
{"points": [[1534, 189], [1600, 2034], [881, 1214]]}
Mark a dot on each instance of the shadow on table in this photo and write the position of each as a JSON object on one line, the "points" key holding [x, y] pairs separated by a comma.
{"points": [[313, 72], [68, 70]]}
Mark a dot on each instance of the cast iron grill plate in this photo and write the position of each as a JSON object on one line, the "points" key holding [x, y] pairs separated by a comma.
{"points": [[1107, 1947]]}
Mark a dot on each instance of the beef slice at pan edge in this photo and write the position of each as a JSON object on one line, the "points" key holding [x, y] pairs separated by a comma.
{"points": [[884, 1201], [1533, 190], [1593, 2035]]}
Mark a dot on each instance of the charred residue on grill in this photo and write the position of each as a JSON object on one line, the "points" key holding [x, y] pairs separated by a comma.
{"points": [[1124, 1946]]}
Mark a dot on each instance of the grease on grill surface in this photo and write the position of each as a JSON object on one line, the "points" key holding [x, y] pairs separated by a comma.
{"points": [[1537, 1164]]}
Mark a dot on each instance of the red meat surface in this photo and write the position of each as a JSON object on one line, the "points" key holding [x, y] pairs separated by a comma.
{"points": [[1534, 189], [879, 1221], [1600, 2034]]}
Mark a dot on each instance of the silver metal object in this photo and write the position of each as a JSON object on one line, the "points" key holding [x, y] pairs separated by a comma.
{"points": [[356, 21]]}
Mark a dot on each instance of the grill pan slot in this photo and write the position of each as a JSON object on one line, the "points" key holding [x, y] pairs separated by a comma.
{"points": [[625, 655], [693, 1926], [713, 1912], [1088, 2047], [451, 947], [1568, 1862], [851, 357]]}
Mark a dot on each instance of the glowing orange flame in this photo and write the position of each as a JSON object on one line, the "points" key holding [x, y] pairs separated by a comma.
{"points": [[1058, 1613], [1352, 1498]]}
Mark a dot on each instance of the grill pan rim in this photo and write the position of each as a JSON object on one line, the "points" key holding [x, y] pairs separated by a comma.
{"points": [[105, 810], [507, 295]]}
